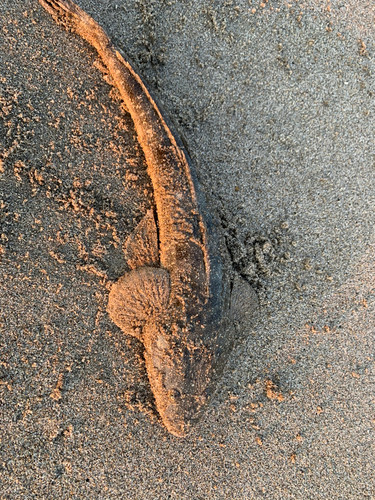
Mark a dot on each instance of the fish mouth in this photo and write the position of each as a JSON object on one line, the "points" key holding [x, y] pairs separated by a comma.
{"points": [[180, 416], [182, 412], [179, 413]]}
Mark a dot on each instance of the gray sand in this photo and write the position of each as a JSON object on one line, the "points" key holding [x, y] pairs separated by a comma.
{"points": [[275, 102]]}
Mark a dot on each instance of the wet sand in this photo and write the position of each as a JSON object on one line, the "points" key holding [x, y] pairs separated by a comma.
{"points": [[276, 104]]}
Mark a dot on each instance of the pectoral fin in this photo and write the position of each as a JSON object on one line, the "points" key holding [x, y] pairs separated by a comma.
{"points": [[139, 297], [141, 248], [244, 300]]}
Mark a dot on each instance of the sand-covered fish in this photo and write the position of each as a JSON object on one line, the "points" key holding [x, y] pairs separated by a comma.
{"points": [[181, 288]]}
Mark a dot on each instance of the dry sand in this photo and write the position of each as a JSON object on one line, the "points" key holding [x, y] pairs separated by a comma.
{"points": [[276, 104]]}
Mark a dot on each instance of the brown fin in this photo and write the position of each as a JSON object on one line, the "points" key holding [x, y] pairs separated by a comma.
{"points": [[244, 300], [141, 248], [138, 297]]}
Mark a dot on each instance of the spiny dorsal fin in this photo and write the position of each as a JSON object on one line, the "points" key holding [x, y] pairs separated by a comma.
{"points": [[141, 248]]}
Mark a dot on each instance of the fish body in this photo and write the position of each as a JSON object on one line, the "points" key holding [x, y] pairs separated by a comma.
{"points": [[176, 297]]}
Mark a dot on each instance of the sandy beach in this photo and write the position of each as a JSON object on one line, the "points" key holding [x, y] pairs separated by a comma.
{"points": [[275, 102]]}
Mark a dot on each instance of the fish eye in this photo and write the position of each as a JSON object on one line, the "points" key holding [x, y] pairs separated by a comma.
{"points": [[175, 393]]}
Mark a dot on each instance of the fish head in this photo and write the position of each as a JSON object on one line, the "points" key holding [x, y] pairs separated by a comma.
{"points": [[179, 374]]}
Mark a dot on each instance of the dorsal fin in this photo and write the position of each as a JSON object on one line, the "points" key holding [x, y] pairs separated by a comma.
{"points": [[141, 248]]}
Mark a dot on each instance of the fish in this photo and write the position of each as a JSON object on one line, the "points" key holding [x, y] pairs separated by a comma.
{"points": [[181, 293]]}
